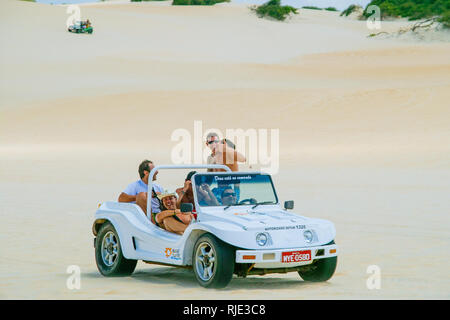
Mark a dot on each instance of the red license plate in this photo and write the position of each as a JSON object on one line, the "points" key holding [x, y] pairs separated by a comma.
{"points": [[296, 256]]}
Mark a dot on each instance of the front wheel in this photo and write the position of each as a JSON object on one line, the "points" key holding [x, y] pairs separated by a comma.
{"points": [[213, 262], [108, 254], [321, 270]]}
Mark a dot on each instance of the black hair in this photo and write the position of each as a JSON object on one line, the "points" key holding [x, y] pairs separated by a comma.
{"points": [[190, 174], [144, 166]]}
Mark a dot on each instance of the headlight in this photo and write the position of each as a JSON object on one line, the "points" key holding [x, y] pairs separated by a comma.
{"points": [[261, 239], [308, 235]]}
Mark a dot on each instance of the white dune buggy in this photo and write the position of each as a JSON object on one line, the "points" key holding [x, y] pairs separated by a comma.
{"points": [[244, 231]]}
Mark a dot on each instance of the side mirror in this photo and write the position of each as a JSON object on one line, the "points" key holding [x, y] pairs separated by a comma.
{"points": [[289, 204], [186, 207]]}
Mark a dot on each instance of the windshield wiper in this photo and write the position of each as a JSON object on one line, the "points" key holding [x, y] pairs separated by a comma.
{"points": [[232, 205], [265, 202]]}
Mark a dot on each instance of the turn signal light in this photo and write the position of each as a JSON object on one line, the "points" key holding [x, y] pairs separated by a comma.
{"points": [[252, 257]]}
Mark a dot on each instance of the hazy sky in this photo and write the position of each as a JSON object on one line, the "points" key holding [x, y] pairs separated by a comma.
{"points": [[339, 4]]}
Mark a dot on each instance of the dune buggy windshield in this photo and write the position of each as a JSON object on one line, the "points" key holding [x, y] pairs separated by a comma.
{"points": [[234, 189]]}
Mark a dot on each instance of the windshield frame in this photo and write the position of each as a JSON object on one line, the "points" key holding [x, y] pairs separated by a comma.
{"points": [[197, 205]]}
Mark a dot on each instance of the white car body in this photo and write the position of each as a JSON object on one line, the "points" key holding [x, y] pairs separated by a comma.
{"points": [[237, 226]]}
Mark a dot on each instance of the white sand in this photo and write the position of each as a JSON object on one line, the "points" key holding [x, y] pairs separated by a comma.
{"points": [[364, 139]]}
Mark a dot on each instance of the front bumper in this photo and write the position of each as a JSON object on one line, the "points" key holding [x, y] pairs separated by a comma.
{"points": [[275, 258]]}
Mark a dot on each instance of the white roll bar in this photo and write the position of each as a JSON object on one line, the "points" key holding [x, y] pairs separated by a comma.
{"points": [[174, 166]]}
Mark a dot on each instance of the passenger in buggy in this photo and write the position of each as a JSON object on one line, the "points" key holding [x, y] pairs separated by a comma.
{"points": [[204, 193], [171, 218]]}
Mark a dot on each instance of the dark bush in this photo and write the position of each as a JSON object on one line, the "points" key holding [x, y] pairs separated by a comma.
{"points": [[413, 9], [445, 19], [349, 10], [274, 10], [197, 2], [311, 7]]}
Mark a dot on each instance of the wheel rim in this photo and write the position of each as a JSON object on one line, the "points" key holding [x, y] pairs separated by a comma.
{"points": [[205, 261], [110, 248]]}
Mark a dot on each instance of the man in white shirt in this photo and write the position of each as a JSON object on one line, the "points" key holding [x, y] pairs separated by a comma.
{"points": [[136, 192]]}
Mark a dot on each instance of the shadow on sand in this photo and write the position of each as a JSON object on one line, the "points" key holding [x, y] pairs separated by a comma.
{"points": [[186, 279]]}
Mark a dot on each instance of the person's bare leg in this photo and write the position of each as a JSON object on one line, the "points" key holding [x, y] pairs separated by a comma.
{"points": [[172, 225], [141, 201]]}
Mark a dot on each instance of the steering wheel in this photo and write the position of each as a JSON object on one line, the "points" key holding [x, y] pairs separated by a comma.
{"points": [[249, 200]]}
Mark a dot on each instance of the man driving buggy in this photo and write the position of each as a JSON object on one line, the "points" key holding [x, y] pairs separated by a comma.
{"points": [[228, 197]]}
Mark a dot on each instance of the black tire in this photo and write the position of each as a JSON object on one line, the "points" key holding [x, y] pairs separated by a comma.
{"points": [[221, 269], [108, 254], [322, 270]]}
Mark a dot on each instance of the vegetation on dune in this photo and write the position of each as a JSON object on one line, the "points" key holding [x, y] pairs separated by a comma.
{"points": [[197, 2], [414, 9], [317, 8], [352, 8], [274, 9], [445, 19], [311, 7]]}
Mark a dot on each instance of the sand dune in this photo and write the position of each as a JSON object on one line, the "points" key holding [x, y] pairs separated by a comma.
{"points": [[364, 139]]}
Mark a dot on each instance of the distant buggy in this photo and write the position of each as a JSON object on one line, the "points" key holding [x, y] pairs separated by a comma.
{"points": [[81, 27], [253, 236]]}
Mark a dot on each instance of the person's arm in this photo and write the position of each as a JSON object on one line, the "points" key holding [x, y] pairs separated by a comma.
{"points": [[223, 151], [129, 194], [209, 196], [238, 156], [212, 199], [210, 160], [160, 216], [123, 197], [186, 217], [182, 192]]}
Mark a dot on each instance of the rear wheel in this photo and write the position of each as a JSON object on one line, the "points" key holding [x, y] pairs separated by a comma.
{"points": [[213, 262], [321, 270], [108, 254]]}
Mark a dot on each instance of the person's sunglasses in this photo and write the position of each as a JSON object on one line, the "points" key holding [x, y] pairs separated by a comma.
{"points": [[229, 195], [213, 141]]}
